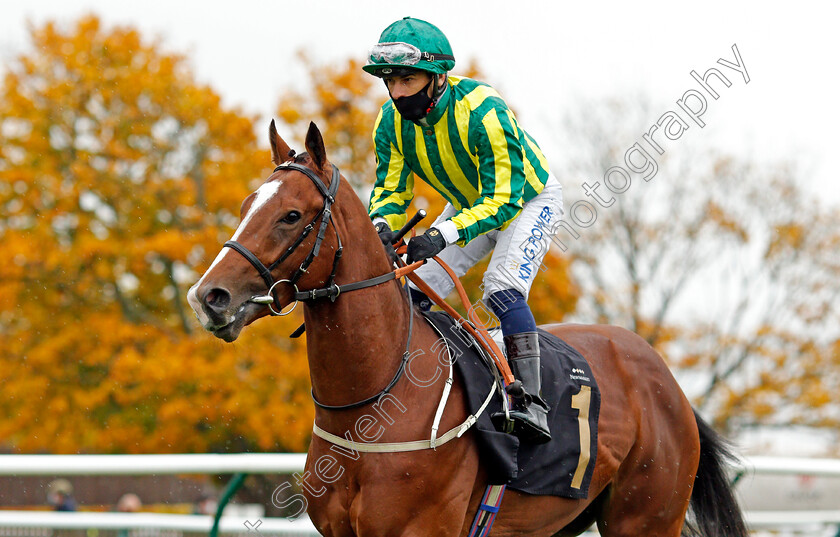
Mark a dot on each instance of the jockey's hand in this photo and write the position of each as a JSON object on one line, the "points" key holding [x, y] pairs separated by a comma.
{"points": [[387, 238], [427, 245], [385, 233]]}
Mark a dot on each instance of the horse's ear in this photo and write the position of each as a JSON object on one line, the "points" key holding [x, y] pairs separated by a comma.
{"points": [[315, 146], [280, 151]]}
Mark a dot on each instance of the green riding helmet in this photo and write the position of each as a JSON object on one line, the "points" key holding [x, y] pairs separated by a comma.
{"points": [[410, 44]]}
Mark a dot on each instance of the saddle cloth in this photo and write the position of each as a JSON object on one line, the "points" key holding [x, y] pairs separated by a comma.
{"points": [[563, 466]]}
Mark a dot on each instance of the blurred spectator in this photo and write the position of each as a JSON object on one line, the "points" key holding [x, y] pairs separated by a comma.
{"points": [[129, 503], [60, 495], [205, 505]]}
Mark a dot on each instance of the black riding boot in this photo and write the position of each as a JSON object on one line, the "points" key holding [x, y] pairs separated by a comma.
{"points": [[529, 413]]}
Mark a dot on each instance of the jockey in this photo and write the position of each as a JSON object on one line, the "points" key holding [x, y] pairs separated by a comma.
{"points": [[459, 136]]}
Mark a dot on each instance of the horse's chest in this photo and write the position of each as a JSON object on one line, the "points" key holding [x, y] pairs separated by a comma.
{"points": [[353, 494]]}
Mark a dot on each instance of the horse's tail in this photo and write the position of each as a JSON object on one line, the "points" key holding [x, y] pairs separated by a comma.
{"points": [[714, 509]]}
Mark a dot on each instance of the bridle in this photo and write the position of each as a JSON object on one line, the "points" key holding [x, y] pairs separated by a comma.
{"points": [[328, 193], [331, 290]]}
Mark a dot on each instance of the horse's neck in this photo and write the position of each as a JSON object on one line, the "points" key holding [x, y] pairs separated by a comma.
{"points": [[355, 344], [360, 333]]}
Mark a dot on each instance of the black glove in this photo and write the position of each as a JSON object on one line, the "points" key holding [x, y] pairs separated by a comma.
{"points": [[427, 245], [387, 238], [385, 233]]}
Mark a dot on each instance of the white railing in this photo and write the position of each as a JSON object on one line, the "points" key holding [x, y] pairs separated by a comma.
{"points": [[288, 463], [249, 463], [182, 523], [792, 466]]}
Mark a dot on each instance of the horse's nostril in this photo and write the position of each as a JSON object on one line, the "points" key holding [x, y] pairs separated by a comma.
{"points": [[217, 299]]}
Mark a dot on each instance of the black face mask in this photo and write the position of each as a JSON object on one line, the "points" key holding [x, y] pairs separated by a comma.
{"points": [[414, 107]]}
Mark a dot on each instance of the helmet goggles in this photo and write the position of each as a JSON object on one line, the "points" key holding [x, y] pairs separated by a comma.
{"points": [[403, 54]]}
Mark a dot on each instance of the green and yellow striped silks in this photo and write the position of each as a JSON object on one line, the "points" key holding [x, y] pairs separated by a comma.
{"points": [[472, 151]]}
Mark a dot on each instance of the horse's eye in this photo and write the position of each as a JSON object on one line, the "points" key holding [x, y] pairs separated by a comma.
{"points": [[291, 218]]}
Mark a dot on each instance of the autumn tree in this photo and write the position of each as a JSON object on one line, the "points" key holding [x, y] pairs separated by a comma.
{"points": [[343, 101], [120, 177], [774, 335], [726, 266]]}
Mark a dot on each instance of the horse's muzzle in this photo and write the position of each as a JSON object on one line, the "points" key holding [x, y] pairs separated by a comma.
{"points": [[212, 308]]}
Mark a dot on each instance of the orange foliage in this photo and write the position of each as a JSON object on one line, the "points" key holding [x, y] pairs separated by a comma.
{"points": [[120, 176], [343, 101]]}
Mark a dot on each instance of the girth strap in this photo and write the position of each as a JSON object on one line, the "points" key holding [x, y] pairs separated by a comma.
{"points": [[488, 507]]}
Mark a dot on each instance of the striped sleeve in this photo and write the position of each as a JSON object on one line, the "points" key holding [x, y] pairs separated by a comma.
{"points": [[394, 187], [501, 176]]}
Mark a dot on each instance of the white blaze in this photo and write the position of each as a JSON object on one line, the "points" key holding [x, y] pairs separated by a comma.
{"points": [[264, 194]]}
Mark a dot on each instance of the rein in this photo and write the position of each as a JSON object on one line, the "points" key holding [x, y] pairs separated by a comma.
{"points": [[397, 375], [480, 336]]}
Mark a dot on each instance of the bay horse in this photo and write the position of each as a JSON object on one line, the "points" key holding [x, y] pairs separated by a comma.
{"points": [[655, 457]]}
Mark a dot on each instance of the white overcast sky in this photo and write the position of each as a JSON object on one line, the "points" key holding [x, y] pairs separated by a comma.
{"points": [[542, 55]]}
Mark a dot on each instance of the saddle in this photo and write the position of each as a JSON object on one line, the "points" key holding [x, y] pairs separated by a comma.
{"points": [[562, 467]]}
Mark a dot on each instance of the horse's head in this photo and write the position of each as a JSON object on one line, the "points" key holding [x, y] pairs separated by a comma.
{"points": [[277, 244]]}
